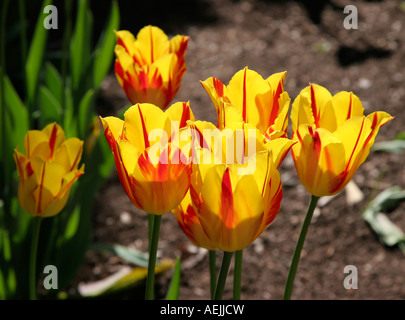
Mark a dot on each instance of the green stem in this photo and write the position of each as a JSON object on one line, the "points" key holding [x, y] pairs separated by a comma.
{"points": [[223, 274], [213, 271], [150, 280], [237, 275], [33, 260], [300, 243], [151, 219]]}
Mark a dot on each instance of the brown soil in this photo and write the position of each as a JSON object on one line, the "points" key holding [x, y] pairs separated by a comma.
{"points": [[307, 39]]}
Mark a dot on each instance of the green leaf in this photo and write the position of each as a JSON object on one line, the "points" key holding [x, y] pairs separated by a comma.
{"points": [[85, 118], [104, 51], [393, 146], [69, 124], [131, 255], [173, 292], [35, 56], [123, 279], [50, 107], [16, 114], [54, 82], [81, 43], [387, 232], [72, 224]]}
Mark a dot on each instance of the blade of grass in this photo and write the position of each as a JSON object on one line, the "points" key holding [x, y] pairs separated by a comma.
{"points": [[174, 289]]}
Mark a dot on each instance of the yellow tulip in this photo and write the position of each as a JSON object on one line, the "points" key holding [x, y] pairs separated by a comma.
{"points": [[153, 171], [235, 201], [150, 67], [48, 170], [334, 138], [251, 99]]}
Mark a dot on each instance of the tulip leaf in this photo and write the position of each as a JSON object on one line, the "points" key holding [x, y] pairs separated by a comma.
{"points": [[174, 288], [393, 146], [80, 43], [387, 232], [105, 49], [50, 107], [130, 255], [35, 55], [54, 81], [69, 124], [72, 224], [17, 116], [123, 279], [84, 112]]}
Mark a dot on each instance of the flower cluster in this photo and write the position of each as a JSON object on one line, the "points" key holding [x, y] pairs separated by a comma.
{"points": [[221, 181]]}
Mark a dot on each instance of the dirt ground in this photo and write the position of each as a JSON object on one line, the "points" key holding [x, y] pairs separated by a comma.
{"points": [[308, 40]]}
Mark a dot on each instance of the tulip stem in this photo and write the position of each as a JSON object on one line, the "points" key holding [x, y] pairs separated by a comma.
{"points": [[237, 275], [300, 243], [150, 280], [223, 274], [33, 260], [213, 271]]}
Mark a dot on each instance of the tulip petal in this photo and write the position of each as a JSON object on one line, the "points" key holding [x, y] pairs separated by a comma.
{"points": [[159, 188], [126, 40], [319, 160], [140, 120], [186, 216], [181, 112], [151, 43]]}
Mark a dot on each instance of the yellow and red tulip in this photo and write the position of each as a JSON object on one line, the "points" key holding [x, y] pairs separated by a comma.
{"points": [[234, 208], [334, 138], [48, 170], [153, 171], [251, 99], [150, 67]]}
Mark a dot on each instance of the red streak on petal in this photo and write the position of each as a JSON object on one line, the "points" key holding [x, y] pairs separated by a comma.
{"points": [[227, 208], [219, 87], [355, 146], [244, 98], [185, 115], [314, 106], [276, 106], [349, 112], [144, 131], [52, 140], [316, 139], [41, 186], [28, 167]]}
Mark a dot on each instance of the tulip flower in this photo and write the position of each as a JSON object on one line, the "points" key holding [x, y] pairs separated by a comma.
{"points": [[234, 206], [334, 139], [250, 98], [153, 171], [48, 170], [150, 67]]}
